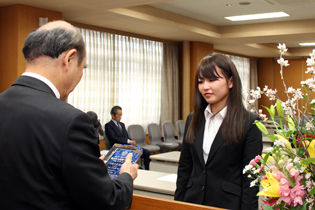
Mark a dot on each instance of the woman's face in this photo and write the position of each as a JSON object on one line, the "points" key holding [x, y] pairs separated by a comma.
{"points": [[215, 91]]}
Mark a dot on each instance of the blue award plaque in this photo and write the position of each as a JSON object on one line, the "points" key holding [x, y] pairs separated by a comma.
{"points": [[117, 156]]}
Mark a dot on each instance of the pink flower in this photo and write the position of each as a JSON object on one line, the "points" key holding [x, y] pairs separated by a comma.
{"points": [[298, 190], [252, 162], [297, 200], [285, 190], [257, 158], [297, 193]]}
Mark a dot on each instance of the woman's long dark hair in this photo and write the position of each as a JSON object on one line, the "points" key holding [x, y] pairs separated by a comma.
{"points": [[233, 123]]}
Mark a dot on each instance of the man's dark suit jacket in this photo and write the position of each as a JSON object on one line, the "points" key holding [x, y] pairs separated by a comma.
{"points": [[219, 182], [49, 157], [114, 134]]}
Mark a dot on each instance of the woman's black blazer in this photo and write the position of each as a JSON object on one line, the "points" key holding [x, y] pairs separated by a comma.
{"points": [[220, 182]]}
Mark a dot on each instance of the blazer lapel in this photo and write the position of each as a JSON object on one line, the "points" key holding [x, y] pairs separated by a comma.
{"points": [[217, 142], [199, 141]]}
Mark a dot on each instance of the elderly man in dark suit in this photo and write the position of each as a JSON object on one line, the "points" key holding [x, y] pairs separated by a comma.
{"points": [[48, 151], [116, 133]]}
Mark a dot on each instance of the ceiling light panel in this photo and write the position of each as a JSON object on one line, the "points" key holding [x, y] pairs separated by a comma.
{"points": [[257, 16]]}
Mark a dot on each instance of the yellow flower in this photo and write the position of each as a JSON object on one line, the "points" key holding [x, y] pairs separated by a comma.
{"points": [[270, 185], [311, 149]]}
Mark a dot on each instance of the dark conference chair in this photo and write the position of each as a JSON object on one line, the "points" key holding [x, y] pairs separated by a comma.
{"points": [[169, 133], [136, 132], [107, 143], [155, 137], [181, 129]]}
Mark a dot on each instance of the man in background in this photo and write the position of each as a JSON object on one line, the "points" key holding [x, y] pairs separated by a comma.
{"points": [[116, 133], [48, 150]]}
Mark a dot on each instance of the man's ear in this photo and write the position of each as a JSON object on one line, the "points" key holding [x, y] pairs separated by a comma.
{"points": [[230, 82], [69, 57]]}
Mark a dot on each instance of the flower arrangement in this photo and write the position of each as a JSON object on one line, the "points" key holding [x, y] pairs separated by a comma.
{"points": [[287, 172]]}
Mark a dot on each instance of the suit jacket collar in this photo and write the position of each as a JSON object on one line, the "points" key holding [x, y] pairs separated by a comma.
{"points": [[33, 83]]}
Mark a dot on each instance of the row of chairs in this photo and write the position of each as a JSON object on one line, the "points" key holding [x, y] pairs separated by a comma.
{"points": [[156, 144]]}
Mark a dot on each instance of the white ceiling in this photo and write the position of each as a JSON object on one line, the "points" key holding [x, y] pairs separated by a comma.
{"points": [[197, 20]]}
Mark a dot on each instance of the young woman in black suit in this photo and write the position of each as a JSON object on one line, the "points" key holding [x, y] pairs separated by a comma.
{"points": [[220, 139]]}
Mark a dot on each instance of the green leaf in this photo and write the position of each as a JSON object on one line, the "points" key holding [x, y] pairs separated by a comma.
{"points": [[266, 158], [312, 192], [279, 108], [266, 207], [271, 137], [261, 127], [299, 207], [310, 160], [304, 97], [272, 111]]}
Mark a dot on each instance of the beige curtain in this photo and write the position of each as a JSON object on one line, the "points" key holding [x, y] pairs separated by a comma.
{"points": [[170, 85], [243, 66], [122, 71], [254, 78]]}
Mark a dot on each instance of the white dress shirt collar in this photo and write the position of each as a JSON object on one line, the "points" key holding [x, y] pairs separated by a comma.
{"points": [[208, 112], [44, 80]]}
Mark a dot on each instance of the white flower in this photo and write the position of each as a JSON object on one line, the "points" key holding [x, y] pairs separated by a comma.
{"points": [[247, 168], [255, 93], [310, 70], [310, 61], [280, 142], [290, 90], [313, 101], [282, 48], [251, 101], [302, 169], [283, 62], [308, 175], [296, 160], [308, 126], [257, 171]]}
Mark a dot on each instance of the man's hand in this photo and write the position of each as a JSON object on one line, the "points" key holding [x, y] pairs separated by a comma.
{"points": [[132, 142], [102, 158], [129, 168]]}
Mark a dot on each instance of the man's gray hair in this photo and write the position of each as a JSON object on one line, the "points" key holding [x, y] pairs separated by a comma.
{"points": [[53, 42]]}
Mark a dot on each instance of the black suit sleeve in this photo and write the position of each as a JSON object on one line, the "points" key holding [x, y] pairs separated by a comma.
{"points": [[252, 148], [185, 165], [85, 175], [114, 135]]}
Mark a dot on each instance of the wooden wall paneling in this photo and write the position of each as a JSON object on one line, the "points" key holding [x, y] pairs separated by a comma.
{"points": [[8, 46], [185, 84], [198, 51], [17, 21], [265, 77]]}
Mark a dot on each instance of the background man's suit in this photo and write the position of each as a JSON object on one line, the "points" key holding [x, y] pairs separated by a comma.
{"points": [[53, 148], [115, 135], [220, 181]]}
